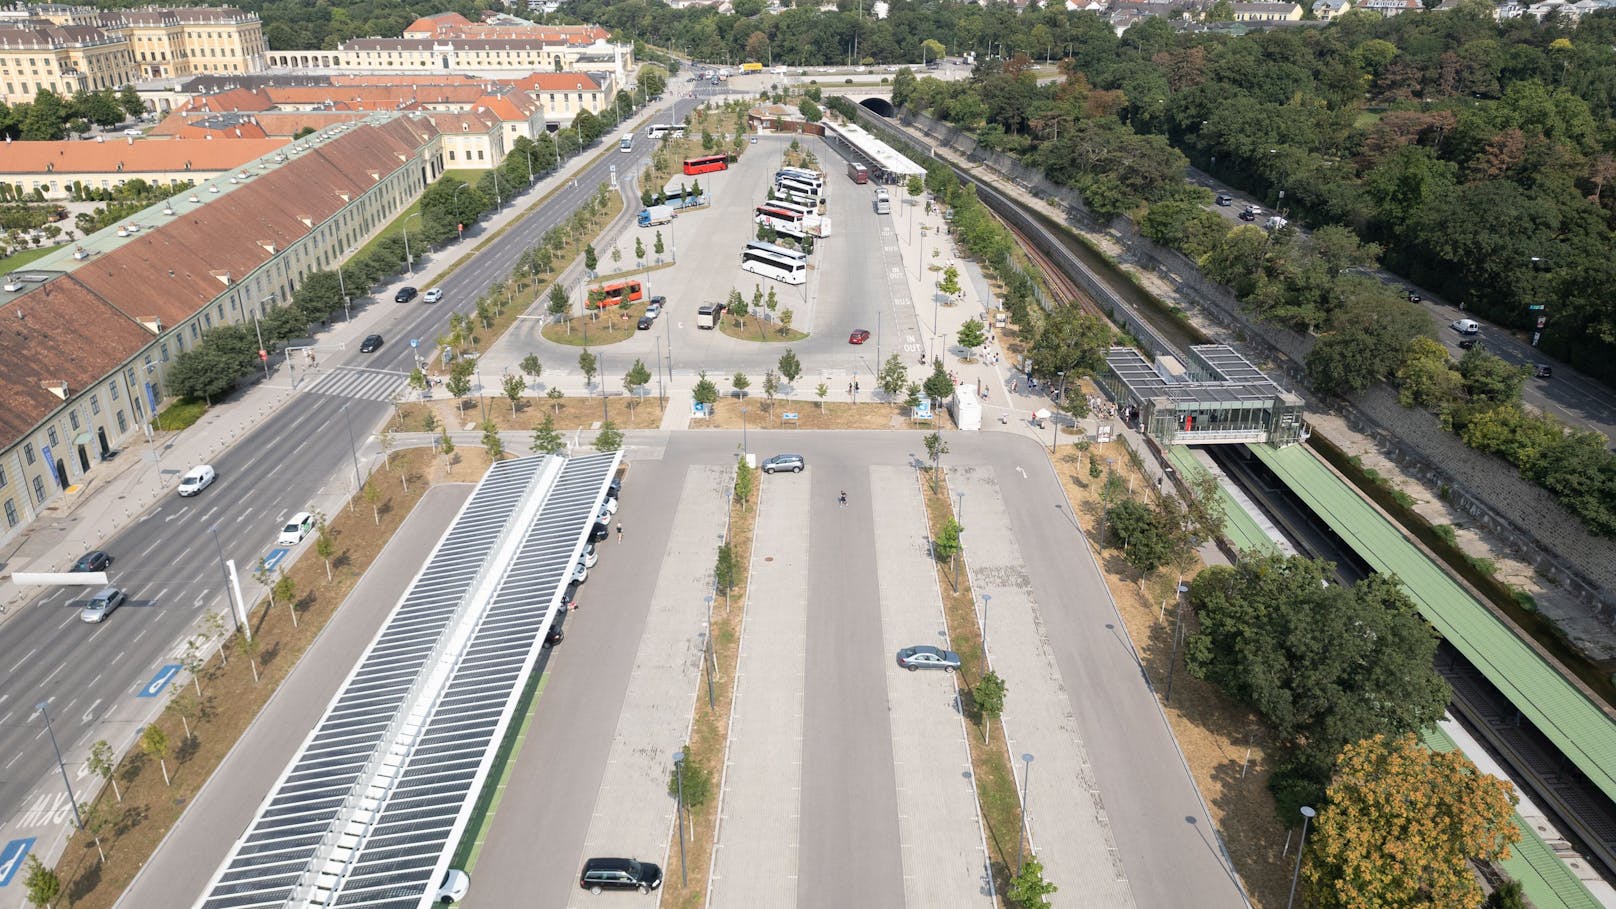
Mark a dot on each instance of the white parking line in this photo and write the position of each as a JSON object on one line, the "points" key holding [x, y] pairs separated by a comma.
{"points": [[24, 659]]}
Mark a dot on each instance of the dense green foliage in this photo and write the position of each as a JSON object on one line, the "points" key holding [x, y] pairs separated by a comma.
{"points": [[50, 116], [1326, 666]]}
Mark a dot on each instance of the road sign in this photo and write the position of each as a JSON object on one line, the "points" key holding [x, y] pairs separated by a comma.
{"points": [[1542, 321], [159, 681], [788, 416], [11, 858]]}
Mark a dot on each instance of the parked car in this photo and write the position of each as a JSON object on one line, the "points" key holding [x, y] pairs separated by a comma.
{"points": [[926, 656], [614, 488], [654, 308], [608, 507], [300, 526], [619, 874], [645, 323], [1225, 199], [102, 604], [580, 573], [371, 344], [197, 479], [590, 556], [791, 462], [599, 532], [405, 295], [454, 886], [94, 560], [859, 336], [433, 295], [557, 632]]}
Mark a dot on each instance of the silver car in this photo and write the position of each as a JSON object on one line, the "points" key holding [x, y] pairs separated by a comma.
{"points": [[791, 462], [101, 605], [926, 656]]}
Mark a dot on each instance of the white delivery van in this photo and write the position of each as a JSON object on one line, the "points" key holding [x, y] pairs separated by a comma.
{"points": [[1467, 326]]}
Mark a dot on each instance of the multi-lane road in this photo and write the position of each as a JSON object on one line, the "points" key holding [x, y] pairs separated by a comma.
{"points": [[169, 559]]}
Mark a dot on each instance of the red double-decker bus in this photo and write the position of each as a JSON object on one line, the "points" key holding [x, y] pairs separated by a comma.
{"points": [[621, 292], [707, 164]]}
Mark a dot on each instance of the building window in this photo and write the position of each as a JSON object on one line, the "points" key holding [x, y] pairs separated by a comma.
{"points": [[112, 389], [162, 350], [2, 476], [73, 418], [11, 513], [50, 433], [28, 453], [39, 490], [122, 426]]}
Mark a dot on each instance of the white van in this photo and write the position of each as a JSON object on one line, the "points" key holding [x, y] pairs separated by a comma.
{"points": [[1467, 326], [197, 479], [300, 525]]}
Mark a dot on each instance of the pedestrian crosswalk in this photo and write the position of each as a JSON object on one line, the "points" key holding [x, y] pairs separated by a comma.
{"points": [[356, 382]]}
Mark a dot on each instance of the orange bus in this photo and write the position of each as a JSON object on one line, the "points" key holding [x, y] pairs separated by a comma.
{"points": [[707, 164], [621, 292]]}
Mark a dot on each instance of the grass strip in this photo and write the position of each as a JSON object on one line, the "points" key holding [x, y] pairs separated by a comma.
{"points": [[482, 815]]}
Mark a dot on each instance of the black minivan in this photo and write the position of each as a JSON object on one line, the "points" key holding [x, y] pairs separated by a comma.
{"points": [[619, 874]]}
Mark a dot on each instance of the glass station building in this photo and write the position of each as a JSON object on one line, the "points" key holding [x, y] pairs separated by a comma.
{"points": [[1214, 395]]}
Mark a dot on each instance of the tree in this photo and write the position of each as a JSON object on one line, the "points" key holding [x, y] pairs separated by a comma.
{"points": [[103, 762], [947, 544], [1145, 542], [532, 368], [820, 391], [513, 388], [1426, 379], [639, 250], [1403, 823], [591, 260], [459, 384], [1508, 895], [325, 547], [740, 383], [971, 336], [656, 245], [724, 570], [914, 186], [790, 366], [637, 377], [1490, 379], [744, 479], [1028, 888], [555, 394], [492, 443], [938, 385], [705, 393], [546, 439], [989, 698], [949, 284], [187, 706], [1071, 343], [588, 365], [446, 445], [131, 101], [894, 376], [935, 449], [42, 885], [690, 781], [204, 372], [286, 589], [610, 437], [154, 742], [559, 304]]}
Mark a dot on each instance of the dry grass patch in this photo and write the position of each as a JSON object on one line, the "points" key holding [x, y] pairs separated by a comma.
{"points": [[131, 829], [595, 329], [709, 733], [990, 762], [752, 328], [760, 414], [568, 413]]}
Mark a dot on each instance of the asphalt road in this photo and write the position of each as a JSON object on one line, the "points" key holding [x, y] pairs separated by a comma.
{"points": [[848, 830], [168, 561], [1573, 397]]}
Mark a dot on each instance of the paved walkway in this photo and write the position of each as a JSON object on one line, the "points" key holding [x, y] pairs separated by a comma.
{"points": [[755, 860], [944, 856], [1068, 826], [633, 814]]}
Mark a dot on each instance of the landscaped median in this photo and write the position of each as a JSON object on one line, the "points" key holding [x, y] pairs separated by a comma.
{"points": [[220, 695]]}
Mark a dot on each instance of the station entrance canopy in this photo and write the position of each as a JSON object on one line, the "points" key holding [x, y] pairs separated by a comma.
{"points": [[1212, 396], [885, 163]]}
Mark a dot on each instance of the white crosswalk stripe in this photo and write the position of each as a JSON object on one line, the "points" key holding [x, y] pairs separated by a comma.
{"points": [[364, 384]]}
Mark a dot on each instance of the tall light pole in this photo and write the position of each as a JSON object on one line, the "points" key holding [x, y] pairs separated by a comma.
{"points": [[1172, 659], [1021, 841], [343, 284], [659, 390], [405, 229], [353, 449], [985, 598], [225, 569], [679, 778], [77, 819], [1307, 815]]}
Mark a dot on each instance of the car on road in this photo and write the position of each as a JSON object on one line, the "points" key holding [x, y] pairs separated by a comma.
{"points": [[754, 140], [654, 308], [405, 295], [619, 874], [1248, 215], [102, 604], [1225, 199], [1468, 343], [197, 479], [1466, 326], [300, 526], [432, 296], [1413, 297], [859, 336], [371, 344], [791, 462], [454, 886], [645, 323], [1542, 370], [94, 560], [926, 656]]}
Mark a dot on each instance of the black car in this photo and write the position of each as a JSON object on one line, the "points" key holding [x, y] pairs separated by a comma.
{"points": [[646, 322], [615, 488], [619, 874], [557, 632], [1467, 343], [370, 344], [405, 295], [1413, 298], [599, 532], [94, 560], [1248, 215], [1542, 371]]}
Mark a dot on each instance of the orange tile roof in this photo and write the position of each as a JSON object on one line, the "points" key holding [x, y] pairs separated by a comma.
{"points": [[233, 99], [557, 82], [132, 156]]}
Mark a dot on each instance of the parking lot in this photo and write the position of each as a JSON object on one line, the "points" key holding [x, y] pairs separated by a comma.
{"points": [[855, 281]]}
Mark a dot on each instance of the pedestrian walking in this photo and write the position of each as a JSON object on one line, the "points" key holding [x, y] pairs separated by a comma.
{"points": [[619, 533], [843, 499]]}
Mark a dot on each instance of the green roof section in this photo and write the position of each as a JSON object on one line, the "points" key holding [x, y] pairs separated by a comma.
{"points": [[1548, 883], [1238, 525], [1576, 725]]}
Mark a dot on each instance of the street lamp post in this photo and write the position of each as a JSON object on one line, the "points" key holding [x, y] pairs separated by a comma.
{"points": [[77, 818], [985, 598], [409, 261], [224, 567], [679, 778], [1172, 659], [1307, 815], [353, 449], [661, 397], [1021, 841], [343, 284]]}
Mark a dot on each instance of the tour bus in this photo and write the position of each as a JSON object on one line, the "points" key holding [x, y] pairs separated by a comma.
{"points": [[775, 262], [706, 164], [798, 207], [781, 219], [626, 144], [803, 173], [621, 292], [883, 202], [658, 130], [858, 173], [800, 193]]}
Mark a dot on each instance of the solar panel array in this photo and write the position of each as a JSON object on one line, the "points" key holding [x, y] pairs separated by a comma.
{"points": [[387, 779]]}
